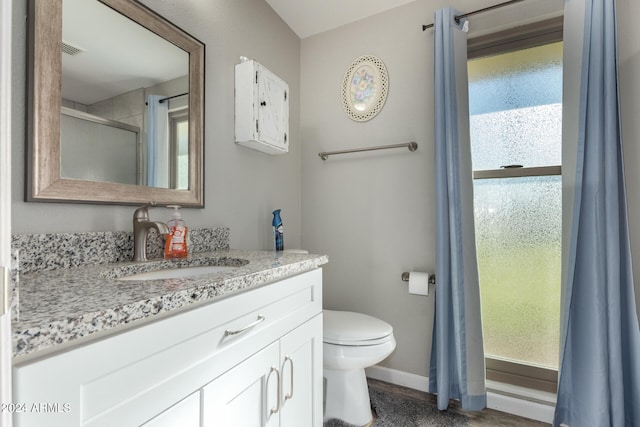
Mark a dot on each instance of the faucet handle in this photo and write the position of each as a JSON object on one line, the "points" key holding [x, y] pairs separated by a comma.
{"points": [[142, 212]]}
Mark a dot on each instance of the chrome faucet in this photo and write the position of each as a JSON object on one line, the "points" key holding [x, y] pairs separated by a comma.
{"points": [[141, 227]]}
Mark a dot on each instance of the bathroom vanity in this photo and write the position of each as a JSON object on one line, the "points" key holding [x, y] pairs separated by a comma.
{"points": [[238, 347]]}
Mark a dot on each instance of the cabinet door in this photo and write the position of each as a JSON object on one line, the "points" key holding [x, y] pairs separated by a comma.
{"points": [[246, 395], [185, 413], [273, 111], [301, 367]]}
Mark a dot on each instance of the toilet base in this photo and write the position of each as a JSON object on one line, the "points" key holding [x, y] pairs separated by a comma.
{"points": [[347, 397]]}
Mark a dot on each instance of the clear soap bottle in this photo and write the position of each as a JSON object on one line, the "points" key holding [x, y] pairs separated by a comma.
{"points": [[176, 244]]}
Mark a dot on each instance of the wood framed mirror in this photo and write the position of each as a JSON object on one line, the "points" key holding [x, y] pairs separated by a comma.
{"points": [[135, 154]]}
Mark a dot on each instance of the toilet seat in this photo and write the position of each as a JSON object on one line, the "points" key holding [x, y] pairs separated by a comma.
{"points": [[354, 329]]}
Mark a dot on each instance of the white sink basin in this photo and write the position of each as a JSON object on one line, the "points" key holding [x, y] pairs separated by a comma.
{"points": [[179, 272]]}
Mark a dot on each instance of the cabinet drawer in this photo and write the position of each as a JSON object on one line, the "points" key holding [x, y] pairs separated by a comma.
{"points": [[129, 378]]}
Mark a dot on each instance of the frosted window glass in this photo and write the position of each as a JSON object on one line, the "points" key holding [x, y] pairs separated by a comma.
{"points": [[518, 232], [527, 136], [515, 107]]}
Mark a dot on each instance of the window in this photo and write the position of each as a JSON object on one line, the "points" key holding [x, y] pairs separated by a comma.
{"points": [[179, 149], [515, 107]]}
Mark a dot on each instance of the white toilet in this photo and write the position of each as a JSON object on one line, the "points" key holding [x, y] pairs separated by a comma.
{"points": [[352, 342]]}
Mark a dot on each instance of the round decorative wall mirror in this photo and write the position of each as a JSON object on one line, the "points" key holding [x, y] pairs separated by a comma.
{"points": [[364, 88]]}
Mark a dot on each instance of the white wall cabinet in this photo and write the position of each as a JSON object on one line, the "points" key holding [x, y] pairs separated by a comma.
{"points": [[261, 109], [188, 367]]}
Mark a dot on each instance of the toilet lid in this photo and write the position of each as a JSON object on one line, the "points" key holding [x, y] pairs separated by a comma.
{"points": [[348, 328]]}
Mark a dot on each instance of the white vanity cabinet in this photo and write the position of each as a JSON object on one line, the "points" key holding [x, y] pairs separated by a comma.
{"points": [[227, 363], [261, 109], [184, 414]]}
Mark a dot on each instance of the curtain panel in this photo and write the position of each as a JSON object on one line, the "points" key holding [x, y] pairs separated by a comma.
{"points": [[599, 378], [157, 146], [457, 367]]}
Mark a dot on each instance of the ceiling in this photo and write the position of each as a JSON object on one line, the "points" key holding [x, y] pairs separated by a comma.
{"points": [[309, 17], [107, 62]]}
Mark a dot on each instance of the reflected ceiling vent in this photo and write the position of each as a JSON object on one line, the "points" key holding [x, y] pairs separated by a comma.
{"points": [[70, 49]]}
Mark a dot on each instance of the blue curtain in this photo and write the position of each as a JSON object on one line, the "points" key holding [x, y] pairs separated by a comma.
{"points": [[457, 368], [599, 383], [157, 141]]}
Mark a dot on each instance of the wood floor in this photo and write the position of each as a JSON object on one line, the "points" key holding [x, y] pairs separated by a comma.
{"points": [[488, 417]]}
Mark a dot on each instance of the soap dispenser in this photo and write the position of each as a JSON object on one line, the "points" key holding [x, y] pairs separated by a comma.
{"points": [[176, 244]]}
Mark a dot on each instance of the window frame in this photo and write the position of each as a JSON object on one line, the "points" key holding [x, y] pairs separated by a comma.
{"points": [[518, 38], [517, 172]]}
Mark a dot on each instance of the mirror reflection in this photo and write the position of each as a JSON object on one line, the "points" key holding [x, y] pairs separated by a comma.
{"points": [[125, 116], [107, 145]]}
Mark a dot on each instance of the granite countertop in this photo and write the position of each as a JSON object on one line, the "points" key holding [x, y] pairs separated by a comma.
{"points": [[64, 306]]}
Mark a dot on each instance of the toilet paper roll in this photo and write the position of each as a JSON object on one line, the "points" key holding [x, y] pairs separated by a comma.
{"points": [[418, 283]]}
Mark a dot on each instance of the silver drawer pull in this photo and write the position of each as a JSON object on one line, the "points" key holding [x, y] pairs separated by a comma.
{"points": [[290, 394], [229, 332], [277, 408]]}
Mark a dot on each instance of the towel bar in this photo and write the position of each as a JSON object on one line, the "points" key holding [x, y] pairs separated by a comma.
{"points": [[412, 146]]}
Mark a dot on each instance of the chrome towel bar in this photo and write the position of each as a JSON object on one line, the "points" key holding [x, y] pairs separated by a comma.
{"points": [[432, 278], [412, 146]]}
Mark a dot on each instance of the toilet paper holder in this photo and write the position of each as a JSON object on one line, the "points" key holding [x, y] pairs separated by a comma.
{"points": [[432, 278]]}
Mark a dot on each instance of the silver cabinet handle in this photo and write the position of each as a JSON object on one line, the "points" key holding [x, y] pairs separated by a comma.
{"points": [[229, 332], [277, 408], [290, 360]]}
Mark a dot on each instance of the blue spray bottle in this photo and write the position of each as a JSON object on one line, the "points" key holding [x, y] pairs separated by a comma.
{"points": [[277, 230]]}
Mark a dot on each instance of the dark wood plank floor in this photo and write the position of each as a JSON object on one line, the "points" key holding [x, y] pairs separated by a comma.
{"points": [[486, 418]]}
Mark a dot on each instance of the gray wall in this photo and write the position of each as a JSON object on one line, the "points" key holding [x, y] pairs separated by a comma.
{"points": [[373, 213], [242, 186]]}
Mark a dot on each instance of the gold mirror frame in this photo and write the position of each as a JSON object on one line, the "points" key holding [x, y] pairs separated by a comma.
{"points": [[44, 182]]}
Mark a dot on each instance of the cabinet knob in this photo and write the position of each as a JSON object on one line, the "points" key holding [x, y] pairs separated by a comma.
{"points": [[263, 103]]}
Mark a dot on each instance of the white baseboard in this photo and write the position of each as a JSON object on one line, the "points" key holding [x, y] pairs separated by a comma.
{"points": [[524, 402]]}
